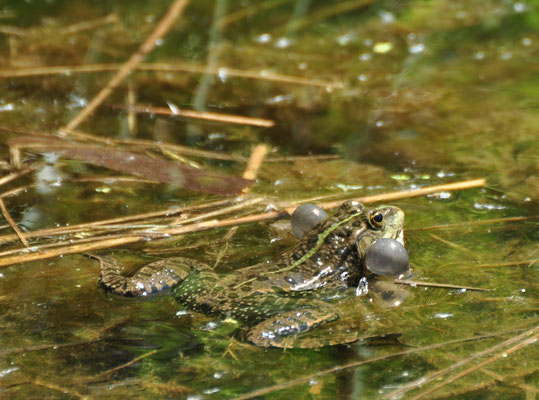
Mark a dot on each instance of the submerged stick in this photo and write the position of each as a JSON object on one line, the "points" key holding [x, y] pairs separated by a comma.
{"points": [[262, 75], [73, 249], [115, 369], [254, 164], [129, 218], [205, 225], [204, 115], [160, 30], [480, 222], [438, 285], [14, 175], [12, 223]]}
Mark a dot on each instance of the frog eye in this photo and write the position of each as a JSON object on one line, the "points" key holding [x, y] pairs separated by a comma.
{"points": [[376, 219]]}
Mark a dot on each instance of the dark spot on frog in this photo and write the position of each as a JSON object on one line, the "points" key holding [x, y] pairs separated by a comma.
{"points": [[387, 295], [343, 252]]}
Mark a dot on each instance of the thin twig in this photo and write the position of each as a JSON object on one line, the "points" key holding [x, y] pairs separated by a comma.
{"points": [[136, 217], [437, 285], [56, 388], [87, 25], [98, 377], [73, 249], [12, 223], [413, 193], [204, 115], [480, 222], [149, 144], [450, 243], [160, 30], [206, 225], [263, 75], [14, 175]]}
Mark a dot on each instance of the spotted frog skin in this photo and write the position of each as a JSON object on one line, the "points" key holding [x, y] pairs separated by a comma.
{"points": [[281, 299]]}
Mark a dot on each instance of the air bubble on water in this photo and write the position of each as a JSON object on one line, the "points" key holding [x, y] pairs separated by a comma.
{"points": [[264, 38]]}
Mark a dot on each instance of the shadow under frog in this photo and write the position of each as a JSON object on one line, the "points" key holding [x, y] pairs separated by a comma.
{"points": [[282, 300]]}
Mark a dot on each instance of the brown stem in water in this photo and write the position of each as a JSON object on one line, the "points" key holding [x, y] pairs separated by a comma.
{"points": [[437, 285], [12, 223], [160, 30]]}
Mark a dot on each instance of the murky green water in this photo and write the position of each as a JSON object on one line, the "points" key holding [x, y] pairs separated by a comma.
{"points": [[430, 92]]}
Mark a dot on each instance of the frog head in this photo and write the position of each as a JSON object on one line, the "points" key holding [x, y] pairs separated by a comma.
{"points": [[381, 246]]}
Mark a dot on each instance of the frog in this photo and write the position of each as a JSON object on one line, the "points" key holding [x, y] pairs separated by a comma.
{"points": [[281, 299]]}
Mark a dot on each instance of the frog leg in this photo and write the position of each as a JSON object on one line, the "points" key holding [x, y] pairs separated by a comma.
{"points": [[281, 330], [153, 278]]}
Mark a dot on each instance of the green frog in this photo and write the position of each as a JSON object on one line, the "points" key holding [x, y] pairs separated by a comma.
{"points": [[281, 299]]}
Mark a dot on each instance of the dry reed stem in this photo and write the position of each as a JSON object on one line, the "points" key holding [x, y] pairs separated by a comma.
{"points": [[468, 223], [490, 360], [68, 243], [262, 75], [437, 285], [56, 388], [160, 30], [14, 175], [149, 144], [253, 165], [13, 30], [205, 225], [73, 249], [220, 211], [413, 193], [12, 223], [131, 102], [203, 115], [88, 25], [354, 364], [135, 217]]}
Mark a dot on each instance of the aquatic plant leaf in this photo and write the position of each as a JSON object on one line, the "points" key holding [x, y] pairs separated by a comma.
{"points": [[141, 165]]}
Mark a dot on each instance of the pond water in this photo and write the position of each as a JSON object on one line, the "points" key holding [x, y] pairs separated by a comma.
{"points": [[402, 94]]}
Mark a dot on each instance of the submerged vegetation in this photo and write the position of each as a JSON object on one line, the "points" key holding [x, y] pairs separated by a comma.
{"points": [[155, 129]]}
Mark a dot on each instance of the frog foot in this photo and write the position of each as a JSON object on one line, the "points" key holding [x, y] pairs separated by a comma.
{"points": [[281, 330], [150, 279]]}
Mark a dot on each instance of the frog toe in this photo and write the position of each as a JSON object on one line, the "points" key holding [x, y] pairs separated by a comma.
{"points": [[282, 330]]}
